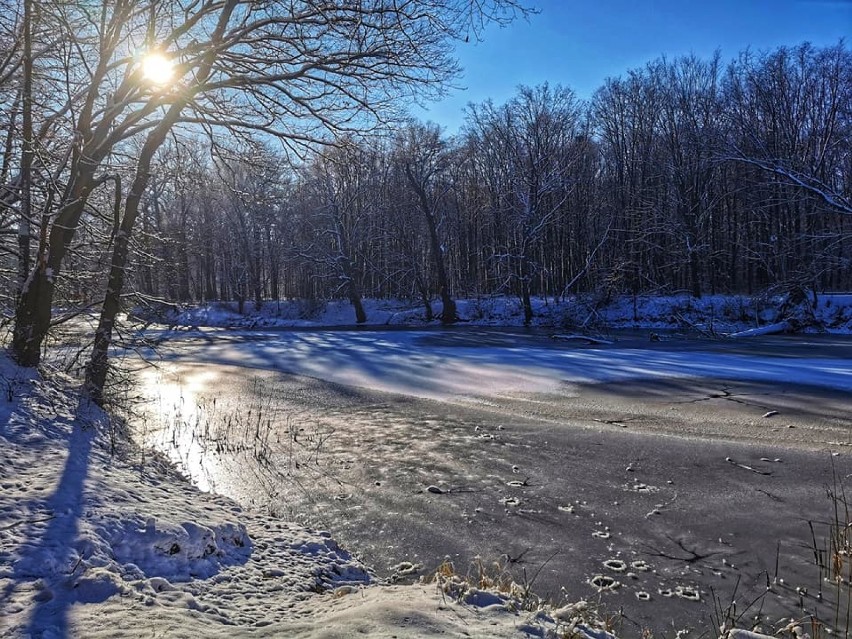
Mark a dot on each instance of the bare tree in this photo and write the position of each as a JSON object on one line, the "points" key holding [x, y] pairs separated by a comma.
{"points": [[337, 185], [424, 157], [691, 131], [811, 90], [532, 140], [789, 130]]}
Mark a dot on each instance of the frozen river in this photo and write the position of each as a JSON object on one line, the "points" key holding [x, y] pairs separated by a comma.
{"points": [[674, 469]]}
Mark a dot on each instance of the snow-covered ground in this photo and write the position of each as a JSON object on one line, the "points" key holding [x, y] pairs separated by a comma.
{"points": [[717, 314], [99, 540]]}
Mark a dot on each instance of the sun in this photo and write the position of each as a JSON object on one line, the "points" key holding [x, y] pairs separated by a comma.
{"points": [[157, 68]]}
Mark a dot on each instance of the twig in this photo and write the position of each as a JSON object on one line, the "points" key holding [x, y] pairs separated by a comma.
{"points": [[27, 521]]}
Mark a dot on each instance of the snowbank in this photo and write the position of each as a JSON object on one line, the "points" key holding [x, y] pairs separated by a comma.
{"points": [[100, 540], [712, 314]]}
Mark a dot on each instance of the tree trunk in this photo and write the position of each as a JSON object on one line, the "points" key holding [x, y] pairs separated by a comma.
{"points": [[274, 281], [257, 287], [33, 310], [355, 298], [525, 290], [424, 298], [183, 286], [448, 307], [32, 317], [98, 365], [448, 311], [210, 291], [526, 302], [147, 271], [352, 289], [695, 273]]}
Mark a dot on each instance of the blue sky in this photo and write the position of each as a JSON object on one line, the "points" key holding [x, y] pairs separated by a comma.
{"points": [[579, 43]]}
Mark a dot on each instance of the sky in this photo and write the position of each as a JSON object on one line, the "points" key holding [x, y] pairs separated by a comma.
{"points": [[580, 43]]}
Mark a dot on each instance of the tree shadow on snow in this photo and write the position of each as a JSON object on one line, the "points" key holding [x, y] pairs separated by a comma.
{"points": [[49, 552]]}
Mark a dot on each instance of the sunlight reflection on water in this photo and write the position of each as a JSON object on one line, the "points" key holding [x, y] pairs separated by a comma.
{"points": [[173, 417]]}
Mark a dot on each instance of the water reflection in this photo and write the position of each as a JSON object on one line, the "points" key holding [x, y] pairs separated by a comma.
{"points": [[227, 433], [175, 419]]}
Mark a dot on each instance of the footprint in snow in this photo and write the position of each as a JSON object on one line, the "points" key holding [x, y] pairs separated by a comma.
{"points": [[405, 568], [616, 565], [604, 583], [685, 592]]}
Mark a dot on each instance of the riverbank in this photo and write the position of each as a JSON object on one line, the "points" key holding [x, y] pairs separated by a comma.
{"points": [[712, 315], [100, 539]]}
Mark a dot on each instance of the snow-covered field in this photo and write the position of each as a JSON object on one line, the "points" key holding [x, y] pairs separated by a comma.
{"points": [[716, 314], [98, 540]]}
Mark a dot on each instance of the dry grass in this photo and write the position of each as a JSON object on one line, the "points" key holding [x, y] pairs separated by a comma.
{"points": [[493, 581], [826, 613]]}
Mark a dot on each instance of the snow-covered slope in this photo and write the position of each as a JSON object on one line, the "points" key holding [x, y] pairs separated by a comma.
{"points": [[98, 540]]}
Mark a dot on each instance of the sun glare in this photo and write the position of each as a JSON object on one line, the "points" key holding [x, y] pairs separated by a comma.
{"points": [[157, 68]]}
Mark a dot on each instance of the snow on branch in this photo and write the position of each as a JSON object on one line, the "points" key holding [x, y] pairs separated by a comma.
{"points": [[811, 184]]}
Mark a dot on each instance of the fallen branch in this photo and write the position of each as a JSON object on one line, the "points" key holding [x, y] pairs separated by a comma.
{"points": [[769, 329], [744, 467], [581, 338]]}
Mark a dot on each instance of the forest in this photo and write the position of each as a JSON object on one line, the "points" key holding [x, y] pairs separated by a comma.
{"points": [[698, 175], [683, 175]]}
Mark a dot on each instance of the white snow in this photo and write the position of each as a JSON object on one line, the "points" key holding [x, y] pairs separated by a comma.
{"points": [[97, 542], [717, 314], [769, 329]]}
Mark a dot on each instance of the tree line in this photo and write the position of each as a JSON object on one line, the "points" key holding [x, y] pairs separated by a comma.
{"points": [[683, 175]]}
